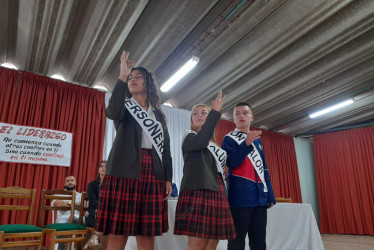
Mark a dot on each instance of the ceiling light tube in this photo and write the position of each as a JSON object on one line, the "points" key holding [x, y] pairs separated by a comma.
{"points": [[58, 77], [100, 87], [9, 65], [180, 74], [331, 108], [168, 104]]}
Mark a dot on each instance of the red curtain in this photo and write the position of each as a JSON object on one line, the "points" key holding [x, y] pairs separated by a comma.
{"points": [[222, 129], [8, 87], [345, 174], [281, 159], [47, 103]]}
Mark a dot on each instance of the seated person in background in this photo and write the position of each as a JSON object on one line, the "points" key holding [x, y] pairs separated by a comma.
{"points": [[64, 216], [93, 191]]}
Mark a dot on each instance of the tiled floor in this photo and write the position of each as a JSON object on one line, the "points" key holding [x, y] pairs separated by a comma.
{"points": [[347, 242]]}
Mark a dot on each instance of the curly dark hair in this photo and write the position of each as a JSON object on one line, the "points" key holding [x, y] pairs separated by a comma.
{"points": [[151, 88]]}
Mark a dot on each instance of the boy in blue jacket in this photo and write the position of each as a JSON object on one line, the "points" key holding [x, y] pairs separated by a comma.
{"points": [[248, 182]]}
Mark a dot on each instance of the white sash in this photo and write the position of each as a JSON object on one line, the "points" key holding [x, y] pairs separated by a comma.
{"points": [[152, 128], [219, 155], [253, 156]]}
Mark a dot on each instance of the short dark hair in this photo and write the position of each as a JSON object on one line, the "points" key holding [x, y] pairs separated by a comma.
{"points": [[244, 104]]}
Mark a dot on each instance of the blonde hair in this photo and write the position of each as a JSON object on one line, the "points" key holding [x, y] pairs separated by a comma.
{"points": [[198, 129]]}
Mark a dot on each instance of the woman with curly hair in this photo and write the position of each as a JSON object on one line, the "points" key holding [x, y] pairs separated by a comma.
{"points": [[133, 197]]}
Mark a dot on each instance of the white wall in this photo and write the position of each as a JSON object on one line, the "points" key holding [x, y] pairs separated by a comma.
{"points": [[178, 121], [307, 173]]}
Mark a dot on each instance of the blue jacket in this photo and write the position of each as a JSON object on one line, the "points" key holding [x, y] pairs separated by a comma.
{"points": [[244, 186]]}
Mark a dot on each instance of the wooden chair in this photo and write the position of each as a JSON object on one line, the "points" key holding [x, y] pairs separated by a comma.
{"points": [[283, 200], [61, 232], [82, 213], [83, 208], [20, 235]]}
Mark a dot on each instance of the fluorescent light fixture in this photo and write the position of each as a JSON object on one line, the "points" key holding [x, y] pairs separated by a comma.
{"points": [[180, 74], [100, 87], [331, 108], [9, 66], [58, 77], [168, 104]]}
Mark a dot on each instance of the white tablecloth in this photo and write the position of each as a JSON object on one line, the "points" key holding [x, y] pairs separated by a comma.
{"points": [[291, 226]]}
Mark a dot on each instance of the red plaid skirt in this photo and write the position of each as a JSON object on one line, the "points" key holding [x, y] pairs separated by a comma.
{"points": [[204, 213], [133, 207]]}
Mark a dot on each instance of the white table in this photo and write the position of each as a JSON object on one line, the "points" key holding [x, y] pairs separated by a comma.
{"points": [[291, 226]]}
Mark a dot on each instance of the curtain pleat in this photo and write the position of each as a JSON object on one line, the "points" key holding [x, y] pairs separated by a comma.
{"points": [[47, 103], [281, 158], [345, 174]]}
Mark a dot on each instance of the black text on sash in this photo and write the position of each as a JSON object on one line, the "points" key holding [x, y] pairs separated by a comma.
{"points": [[240, 136], [253, 156], [219, 154], [256, 160], [153, 129]]}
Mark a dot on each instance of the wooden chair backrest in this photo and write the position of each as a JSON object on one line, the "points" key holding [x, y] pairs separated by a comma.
{"points": [[47, 196], [84, 207], [283, 200], [19, 193]]}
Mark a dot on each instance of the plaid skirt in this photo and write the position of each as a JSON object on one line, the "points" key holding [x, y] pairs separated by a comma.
{"points": [[204, 213], [133, 207]]}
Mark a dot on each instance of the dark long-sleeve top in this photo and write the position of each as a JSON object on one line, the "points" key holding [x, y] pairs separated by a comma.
{"points": [[93, 191], [244, 186], [124, 158], [200, 170]]}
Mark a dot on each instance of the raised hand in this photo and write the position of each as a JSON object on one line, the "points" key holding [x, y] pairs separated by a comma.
{"points": [[126, 66], [218, 102], [252, 136]]}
